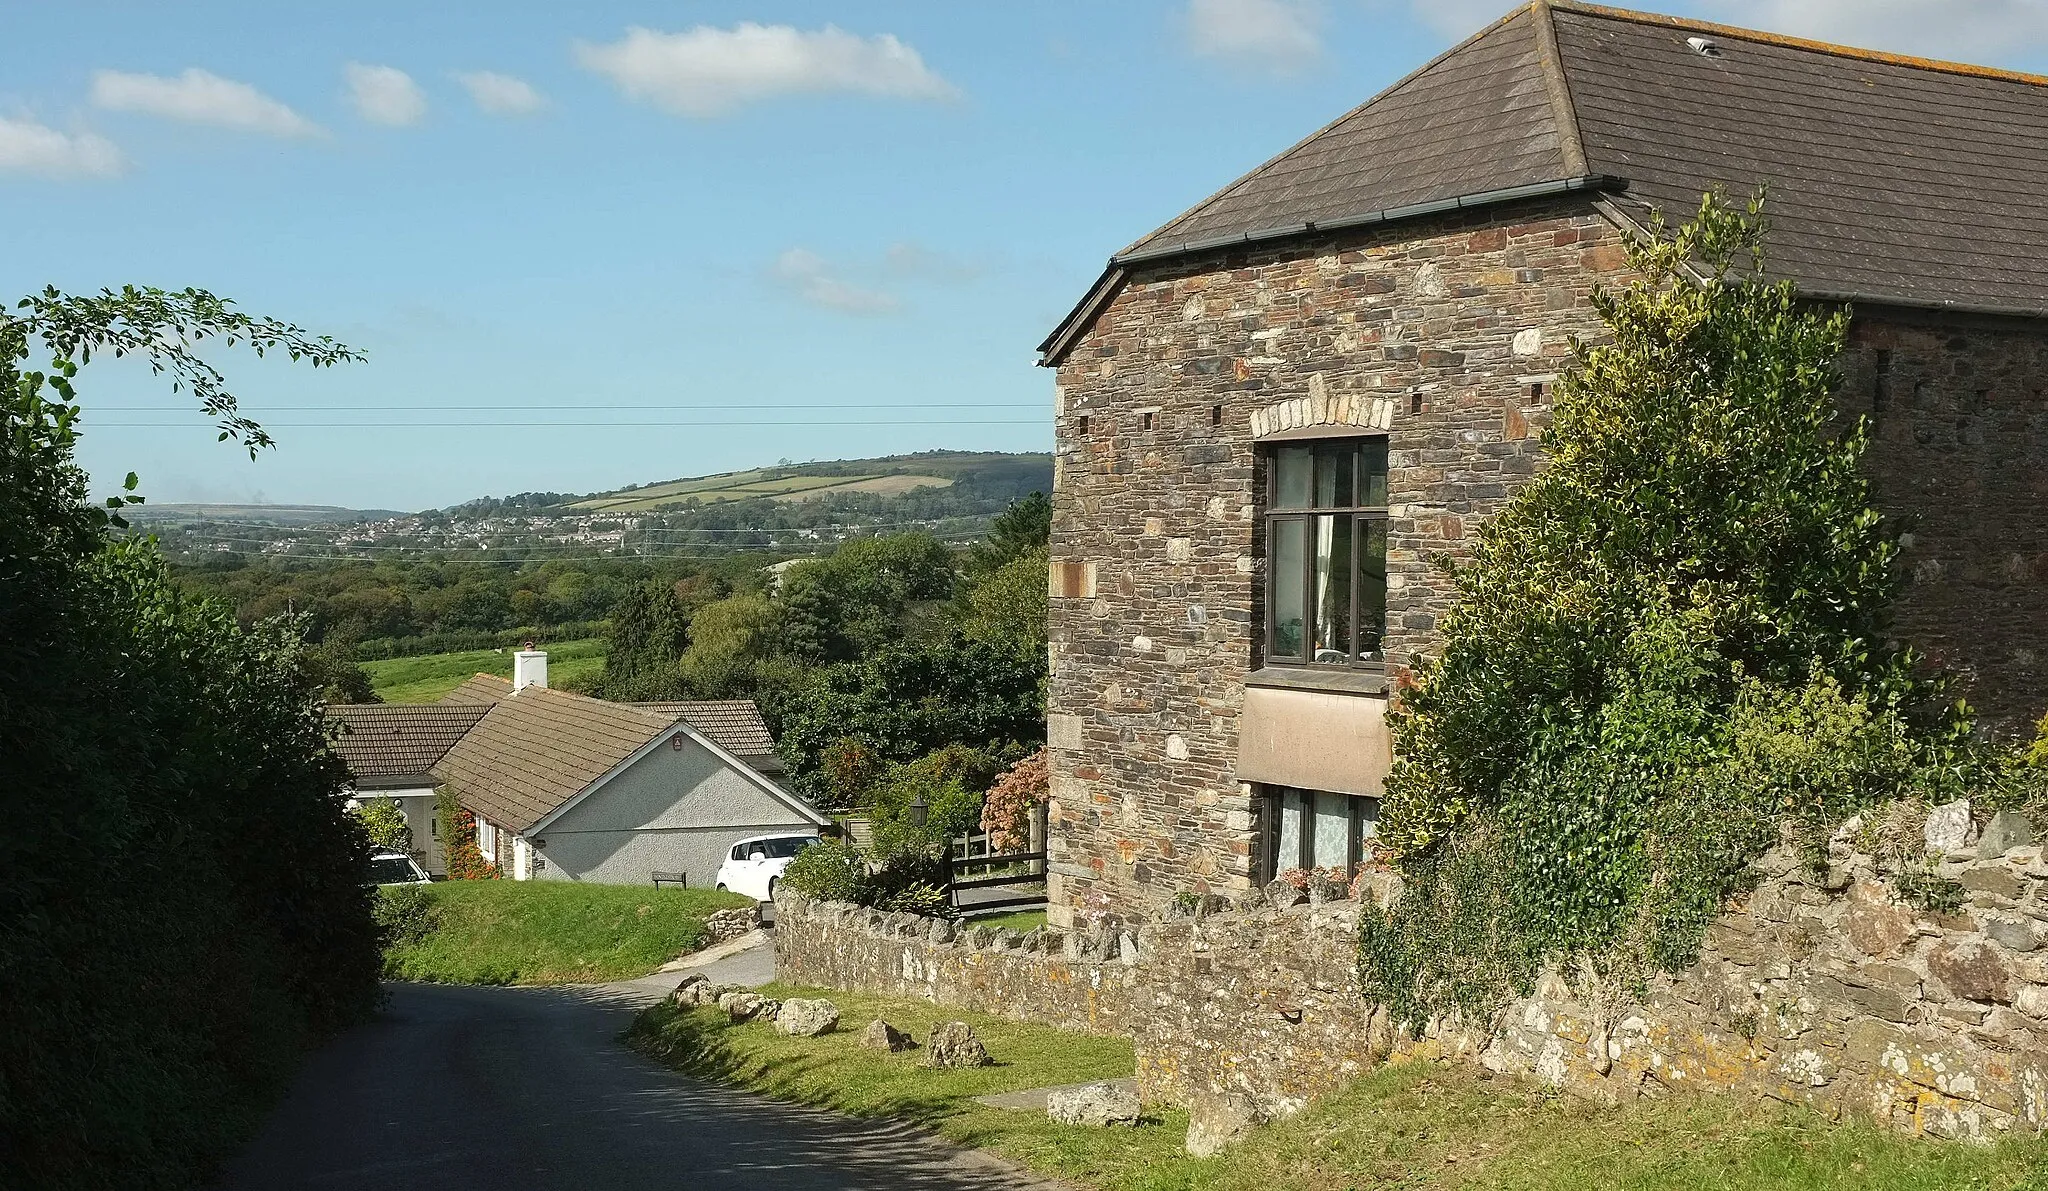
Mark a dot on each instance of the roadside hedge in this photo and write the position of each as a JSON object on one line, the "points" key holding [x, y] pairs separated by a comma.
{"points": [[181, 907]]}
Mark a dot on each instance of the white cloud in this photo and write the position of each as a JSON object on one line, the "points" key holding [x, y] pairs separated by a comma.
{"points": [[906, 258], [810, 277], [27, 147], [501, 94], [385, 94], [1970, 29], [1278, 35], [199, 97], [708, 71]]}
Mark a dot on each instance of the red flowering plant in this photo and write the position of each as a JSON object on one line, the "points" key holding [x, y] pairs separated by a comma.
{"points": [[1006, 810], [458, 841]]}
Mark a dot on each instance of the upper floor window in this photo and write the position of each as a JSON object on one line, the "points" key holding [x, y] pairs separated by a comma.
{"points": [[1326, 552]]}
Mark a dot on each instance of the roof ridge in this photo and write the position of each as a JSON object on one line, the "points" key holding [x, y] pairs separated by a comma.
{"points": [[1382, 93], [1557, 84], [1788, 41]]}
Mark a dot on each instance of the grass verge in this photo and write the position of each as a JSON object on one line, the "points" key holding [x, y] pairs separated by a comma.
{"points": [[1413, 1127], [1021, 921], [548, 932], [423, 679]]}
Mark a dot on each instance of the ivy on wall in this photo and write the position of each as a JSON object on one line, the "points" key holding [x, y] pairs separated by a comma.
{"points": [[1667, 653]]}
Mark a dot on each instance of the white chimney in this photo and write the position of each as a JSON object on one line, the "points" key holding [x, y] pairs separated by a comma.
{"points": [[529, 668]]}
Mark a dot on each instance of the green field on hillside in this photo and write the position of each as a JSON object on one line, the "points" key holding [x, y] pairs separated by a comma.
{"points": [[757, 484], [571, 665]]}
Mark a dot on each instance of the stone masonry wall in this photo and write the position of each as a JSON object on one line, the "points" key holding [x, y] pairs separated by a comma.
{"points": [[1461, 322], [1456, 328], [1827, 991], [1959, 450]]}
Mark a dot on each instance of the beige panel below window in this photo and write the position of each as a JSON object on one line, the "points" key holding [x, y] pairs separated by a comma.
{"points": [[1314, 740]]}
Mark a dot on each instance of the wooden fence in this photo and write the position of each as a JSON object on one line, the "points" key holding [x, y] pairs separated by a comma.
{"points": [[969, 855]]}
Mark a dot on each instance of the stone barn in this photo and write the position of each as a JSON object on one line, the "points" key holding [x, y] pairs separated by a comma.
{"points": [[1274, 410]]}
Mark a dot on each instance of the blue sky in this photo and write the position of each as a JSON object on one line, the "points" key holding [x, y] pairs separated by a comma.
{"points": [[794, 214]]}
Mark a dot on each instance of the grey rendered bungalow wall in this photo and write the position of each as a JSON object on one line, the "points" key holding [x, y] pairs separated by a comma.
{"points": [[675, 810]]}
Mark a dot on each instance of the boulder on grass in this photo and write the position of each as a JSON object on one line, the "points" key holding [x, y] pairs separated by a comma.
{"points": [[955, 1044], [880, 1035], [1219, 1120], [1097, 1104], [740, 1006], [689, 991], [802, 1018]]}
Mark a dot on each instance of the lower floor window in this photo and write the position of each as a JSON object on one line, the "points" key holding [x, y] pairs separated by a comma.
{"points": [[1314, 829]]}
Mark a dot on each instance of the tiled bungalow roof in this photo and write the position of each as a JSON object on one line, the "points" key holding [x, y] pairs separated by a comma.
{"points": [[534, 752], [394, 744], [735, 725], [1893, 180]]}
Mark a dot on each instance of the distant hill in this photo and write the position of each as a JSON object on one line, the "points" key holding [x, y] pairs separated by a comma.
{"points": [[258, 514], [889, 475]]}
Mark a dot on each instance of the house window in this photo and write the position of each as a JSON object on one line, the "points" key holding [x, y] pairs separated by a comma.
{"points": [[1326, 552], [1314, 829]]}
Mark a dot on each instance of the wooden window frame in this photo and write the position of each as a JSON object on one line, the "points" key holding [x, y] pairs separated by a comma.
{"points": [[1274, 514]]}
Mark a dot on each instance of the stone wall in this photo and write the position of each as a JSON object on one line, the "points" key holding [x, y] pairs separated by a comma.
{"points": [[1959, 451], [1449, 330], [1826, 991]]}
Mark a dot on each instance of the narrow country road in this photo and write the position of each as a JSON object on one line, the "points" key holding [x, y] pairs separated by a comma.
{"points": [[525, 1089]]}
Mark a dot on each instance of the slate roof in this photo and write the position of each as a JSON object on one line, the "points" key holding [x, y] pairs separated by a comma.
{"points": [[389, 744], [1893, 179], [532, 753]]}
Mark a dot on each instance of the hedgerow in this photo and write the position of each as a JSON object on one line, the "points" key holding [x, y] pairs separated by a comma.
{"points": [[182, 908], [1667, 654]]}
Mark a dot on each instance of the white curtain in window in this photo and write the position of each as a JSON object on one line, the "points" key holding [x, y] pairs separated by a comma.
{"points": [[1290, 829], [1333, 831]]}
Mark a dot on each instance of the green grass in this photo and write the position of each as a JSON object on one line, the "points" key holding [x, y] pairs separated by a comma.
{"points": [[423, 679], [1417, 1126], [1021, 921], [751, 485], [552, 932]]}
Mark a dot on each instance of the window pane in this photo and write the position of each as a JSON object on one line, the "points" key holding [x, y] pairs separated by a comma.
{"points": [[1368, 822], [1289, 855], [1372, 474], [1291, 468], [1336, 472], [1290, 608], [1333, 589], [1333, 831], [1372, 590]]}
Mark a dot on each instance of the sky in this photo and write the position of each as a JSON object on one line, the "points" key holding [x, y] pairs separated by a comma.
{"points": [[622, 241]]}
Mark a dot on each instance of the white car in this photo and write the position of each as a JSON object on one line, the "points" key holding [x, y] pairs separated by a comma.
{"points": [[388, 867], [753, 865]]}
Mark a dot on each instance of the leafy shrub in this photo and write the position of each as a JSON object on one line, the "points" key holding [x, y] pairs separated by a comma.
{"points": [[405, 915], [384, 821], [920, 897], [464, 861], [1669, 646], [830, 871], [1006, 811], [172, 803]]}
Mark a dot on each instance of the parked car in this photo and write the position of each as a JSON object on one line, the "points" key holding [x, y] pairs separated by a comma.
{"points": [[754, 864], [388, 867]]}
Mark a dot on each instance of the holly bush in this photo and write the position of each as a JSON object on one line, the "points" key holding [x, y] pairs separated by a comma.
{"points": [[1668, 649]]}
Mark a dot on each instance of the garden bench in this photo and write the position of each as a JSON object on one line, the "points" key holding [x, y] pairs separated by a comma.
{"points": [[661, 878]]}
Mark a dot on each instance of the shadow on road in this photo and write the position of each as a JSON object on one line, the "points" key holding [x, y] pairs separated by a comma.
{"points": [[509, 1089]]}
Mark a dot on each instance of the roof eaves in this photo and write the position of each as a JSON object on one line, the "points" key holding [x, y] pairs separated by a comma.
{"points": [[1055, 348]]}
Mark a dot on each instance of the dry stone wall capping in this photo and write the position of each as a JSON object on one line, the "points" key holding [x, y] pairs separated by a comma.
{"points": [[1823, 990]]}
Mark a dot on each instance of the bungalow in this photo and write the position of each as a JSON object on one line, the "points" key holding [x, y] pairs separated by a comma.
{"points": [[1272, 413], [566, 787]]}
